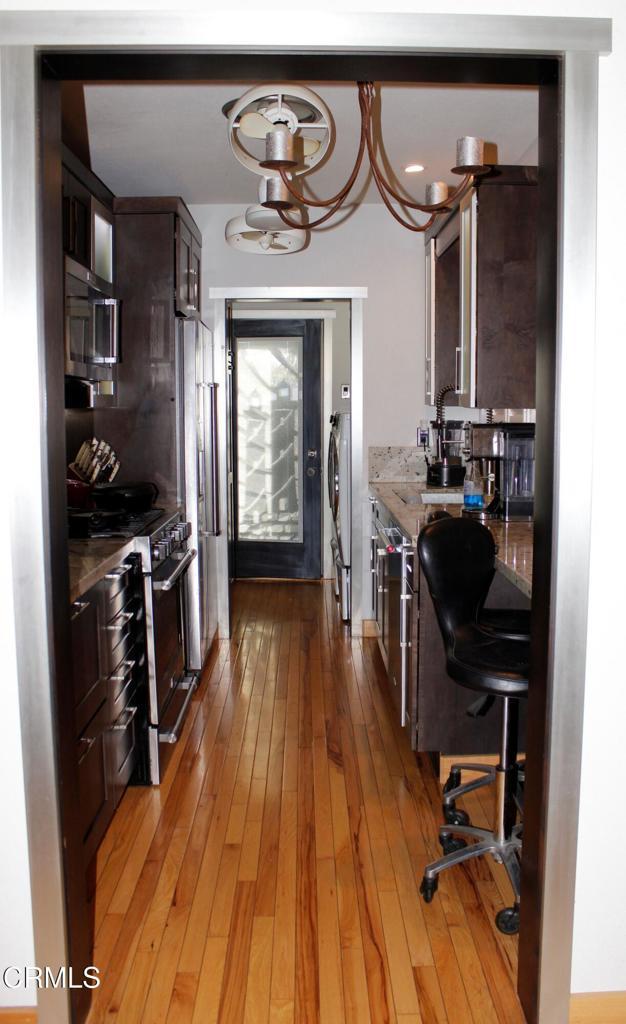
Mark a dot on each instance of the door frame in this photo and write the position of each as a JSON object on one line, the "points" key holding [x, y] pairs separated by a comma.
{"points": [[327, 316], [564, 499], [220, 297]]}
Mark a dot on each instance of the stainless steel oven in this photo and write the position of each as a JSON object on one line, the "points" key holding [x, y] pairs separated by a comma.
{"points": [[167, 558]]}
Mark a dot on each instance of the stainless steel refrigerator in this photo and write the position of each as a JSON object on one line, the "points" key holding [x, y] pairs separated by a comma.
{"points": [[200, 488]]}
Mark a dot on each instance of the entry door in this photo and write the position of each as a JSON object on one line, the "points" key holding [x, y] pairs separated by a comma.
{"points": [[277, 433]]}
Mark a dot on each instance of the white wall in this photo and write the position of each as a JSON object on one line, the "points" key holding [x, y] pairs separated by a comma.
{"points": [[369, 250]]}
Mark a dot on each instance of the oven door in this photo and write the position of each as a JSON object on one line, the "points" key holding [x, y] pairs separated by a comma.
{"points": [[171, 688]]}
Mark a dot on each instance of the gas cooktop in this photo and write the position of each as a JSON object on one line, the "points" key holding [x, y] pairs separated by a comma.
{"points": [[116, 523]]}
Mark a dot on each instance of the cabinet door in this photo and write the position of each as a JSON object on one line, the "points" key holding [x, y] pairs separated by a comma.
{"points": [[447, 267], [506, 275], [465, 352], [194, 277], [76, 219], [429, 361], [184, 242]]}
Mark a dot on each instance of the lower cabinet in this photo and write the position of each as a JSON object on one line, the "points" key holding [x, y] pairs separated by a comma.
{"points": [[110, 695]]}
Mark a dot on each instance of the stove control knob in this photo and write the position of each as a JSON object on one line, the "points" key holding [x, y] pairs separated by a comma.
{"points": [[156, 554], [187, 528], [164, 547]]}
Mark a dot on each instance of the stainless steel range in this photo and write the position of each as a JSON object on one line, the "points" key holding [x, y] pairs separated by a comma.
{"points": [[166, 557]]}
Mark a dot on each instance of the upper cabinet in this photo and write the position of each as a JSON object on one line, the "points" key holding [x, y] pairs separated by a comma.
{"points": [[87, 219], [480, 294], [188, 249], [184, 243]]}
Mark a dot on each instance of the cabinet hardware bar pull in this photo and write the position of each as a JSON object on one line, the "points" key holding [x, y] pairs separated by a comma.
{"points": [[120, 621], [80, 606], [130, 712]]}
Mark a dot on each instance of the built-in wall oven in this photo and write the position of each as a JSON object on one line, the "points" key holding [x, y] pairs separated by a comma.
{"points": [[167, 557]]}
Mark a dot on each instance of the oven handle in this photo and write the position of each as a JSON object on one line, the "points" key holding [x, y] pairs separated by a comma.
{"points": [[184, 564], [174, 733]]}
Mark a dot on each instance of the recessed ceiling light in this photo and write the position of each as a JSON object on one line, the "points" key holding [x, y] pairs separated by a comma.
{"points": [[414, 168]]}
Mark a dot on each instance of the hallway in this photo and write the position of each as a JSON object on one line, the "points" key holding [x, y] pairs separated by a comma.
{"points": [[274, 876]]}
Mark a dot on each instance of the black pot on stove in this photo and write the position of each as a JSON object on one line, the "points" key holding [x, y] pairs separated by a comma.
{"points": [[133, 498]]}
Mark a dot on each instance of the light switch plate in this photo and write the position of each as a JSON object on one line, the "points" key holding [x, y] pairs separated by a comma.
{"points": [[345, 390]]}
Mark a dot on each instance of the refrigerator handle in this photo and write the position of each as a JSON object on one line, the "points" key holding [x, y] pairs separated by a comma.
{"points": [[215, 481]]}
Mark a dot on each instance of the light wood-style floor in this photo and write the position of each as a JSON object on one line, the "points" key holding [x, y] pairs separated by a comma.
{"points": [[274, 876]]}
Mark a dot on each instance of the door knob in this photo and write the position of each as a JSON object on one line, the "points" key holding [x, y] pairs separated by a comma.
{"points": [[312, 453]]}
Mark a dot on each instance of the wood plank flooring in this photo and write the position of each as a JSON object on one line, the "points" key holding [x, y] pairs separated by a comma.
{"points": [[273, 877]]}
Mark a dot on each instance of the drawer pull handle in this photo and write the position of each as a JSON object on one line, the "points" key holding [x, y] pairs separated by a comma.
{"points": [[129, 666], [119, 572], [80, 607], [130, 714], [120, 620], [89, 741]]}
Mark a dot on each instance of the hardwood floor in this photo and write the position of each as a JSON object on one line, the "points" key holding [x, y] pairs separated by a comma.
{"points": [[273, 877]]}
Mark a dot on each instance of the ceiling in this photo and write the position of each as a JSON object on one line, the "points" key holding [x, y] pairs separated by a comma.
{"points": [[163, 139]]}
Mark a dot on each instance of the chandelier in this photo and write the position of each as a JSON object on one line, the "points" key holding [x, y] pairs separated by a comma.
{"points": [[287, 116]]}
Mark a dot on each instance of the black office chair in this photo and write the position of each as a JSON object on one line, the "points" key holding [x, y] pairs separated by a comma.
{"points": [[457, 556], [508, 623]]}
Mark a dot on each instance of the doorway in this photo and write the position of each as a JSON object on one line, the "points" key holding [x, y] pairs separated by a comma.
{"points": [[276, 431], [550, 671]]}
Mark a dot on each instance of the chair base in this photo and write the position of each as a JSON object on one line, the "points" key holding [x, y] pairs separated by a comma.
{"points": [[506, 852], [505, 849]]}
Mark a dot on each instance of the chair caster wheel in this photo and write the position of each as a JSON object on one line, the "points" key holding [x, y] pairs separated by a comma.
{"points": [[428, 888], [454, 817], [507, 920], [450, 845]]}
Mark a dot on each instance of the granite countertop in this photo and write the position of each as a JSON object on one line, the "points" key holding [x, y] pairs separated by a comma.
{"points": [[514, 557], [90, 560]]}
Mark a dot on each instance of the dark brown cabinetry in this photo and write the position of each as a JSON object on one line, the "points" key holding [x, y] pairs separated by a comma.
{"points": [[481, 294], [188, 250], [184, 251], [109, 677], [87, 217]]}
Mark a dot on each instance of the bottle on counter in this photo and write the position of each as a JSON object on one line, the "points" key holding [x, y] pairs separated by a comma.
{"points": [[473, 487]]}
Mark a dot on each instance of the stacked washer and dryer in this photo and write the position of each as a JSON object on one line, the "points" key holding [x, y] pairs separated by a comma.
{"points": [[339, 494]]}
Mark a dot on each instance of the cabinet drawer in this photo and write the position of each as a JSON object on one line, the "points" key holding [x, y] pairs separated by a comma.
{"points": [[121, 685], [122, 750], [90, 704], [95, 806], [84, 642], [122, 649], [115, 583]]}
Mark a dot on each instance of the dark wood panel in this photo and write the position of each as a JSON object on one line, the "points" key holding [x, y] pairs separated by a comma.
{"points": [[447, 317], [79, 938], [294, 66], [142, 427], [506, 275], [158, 204]]}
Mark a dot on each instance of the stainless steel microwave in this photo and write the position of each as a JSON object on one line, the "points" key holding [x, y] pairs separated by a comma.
{"points": [[91, 324]]}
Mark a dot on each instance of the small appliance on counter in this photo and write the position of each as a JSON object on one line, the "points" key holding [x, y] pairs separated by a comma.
{"points": [[503, 455]]}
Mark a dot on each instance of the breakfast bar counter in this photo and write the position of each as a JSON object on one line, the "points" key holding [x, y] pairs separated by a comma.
{"points": [[403, 500]]}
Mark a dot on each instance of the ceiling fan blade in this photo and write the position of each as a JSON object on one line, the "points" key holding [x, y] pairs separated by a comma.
{"points": [[310, 146], [276, 246], [255, 126]]}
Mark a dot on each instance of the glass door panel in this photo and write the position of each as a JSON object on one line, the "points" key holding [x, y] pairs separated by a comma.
{"points": [[269, 439]]}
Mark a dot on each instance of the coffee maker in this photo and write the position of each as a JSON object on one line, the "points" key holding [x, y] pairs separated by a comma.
{"points": [[504, 454]]}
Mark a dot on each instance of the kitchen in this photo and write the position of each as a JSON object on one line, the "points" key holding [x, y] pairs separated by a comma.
{"points": [[381, 438]]}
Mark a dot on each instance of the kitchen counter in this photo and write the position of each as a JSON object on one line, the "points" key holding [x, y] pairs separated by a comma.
{"points": [[91, 559], [514, 556]]}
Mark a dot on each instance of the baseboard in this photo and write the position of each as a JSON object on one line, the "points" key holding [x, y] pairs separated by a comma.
{"points": [[598, 1008], [18, 1016]]}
